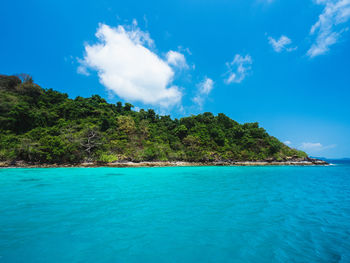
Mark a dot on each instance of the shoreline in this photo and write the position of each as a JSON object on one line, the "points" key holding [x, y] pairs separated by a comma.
{"points": [[125, 164]]}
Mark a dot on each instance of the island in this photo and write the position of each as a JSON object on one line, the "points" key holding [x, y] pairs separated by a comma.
{"points": [[45, 128]]}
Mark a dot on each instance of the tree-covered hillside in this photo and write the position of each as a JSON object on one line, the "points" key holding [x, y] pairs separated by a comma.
{"points": [[45, 126]]}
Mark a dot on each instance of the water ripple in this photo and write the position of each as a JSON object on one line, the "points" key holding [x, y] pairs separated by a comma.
{"points": [[193, 214]]}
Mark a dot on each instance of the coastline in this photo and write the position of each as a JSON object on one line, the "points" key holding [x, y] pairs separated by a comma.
{"points": [[124, 164]]}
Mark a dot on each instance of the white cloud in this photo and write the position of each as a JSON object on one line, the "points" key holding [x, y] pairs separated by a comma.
{"points": [[283, 43], [81, 69], [329, 26], [127, 66], [204, 88], [310, 146], [176, 59], [288, 143], [316, 147], [238, 69]]}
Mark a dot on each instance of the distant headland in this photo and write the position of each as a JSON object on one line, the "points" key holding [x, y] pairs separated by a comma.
{"points": [[45, 128]]}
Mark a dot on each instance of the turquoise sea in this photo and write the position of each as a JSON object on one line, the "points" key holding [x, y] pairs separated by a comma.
{"points": [[175, 214]]}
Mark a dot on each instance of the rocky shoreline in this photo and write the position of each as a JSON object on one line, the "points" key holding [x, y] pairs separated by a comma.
{"points": [[290, 162]]}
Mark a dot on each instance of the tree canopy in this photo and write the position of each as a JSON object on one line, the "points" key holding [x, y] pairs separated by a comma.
{"points": [[46, 126]]}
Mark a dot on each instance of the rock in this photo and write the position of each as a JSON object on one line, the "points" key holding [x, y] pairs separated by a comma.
{"points": [[4, 164]]}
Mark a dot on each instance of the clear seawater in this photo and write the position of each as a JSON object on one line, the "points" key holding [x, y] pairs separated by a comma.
{"points": [[175, 214]]}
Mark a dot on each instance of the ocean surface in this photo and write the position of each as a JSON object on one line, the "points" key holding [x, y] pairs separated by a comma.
{"points": [[175, 214]]}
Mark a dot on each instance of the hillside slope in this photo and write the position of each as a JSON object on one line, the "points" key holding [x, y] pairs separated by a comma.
{"points": [[45, 126]]}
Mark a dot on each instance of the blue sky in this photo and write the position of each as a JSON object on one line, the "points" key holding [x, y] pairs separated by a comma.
{"points": [[284, 64]]}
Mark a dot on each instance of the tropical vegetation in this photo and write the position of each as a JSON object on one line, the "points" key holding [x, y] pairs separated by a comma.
{"points": [[40, 125]]}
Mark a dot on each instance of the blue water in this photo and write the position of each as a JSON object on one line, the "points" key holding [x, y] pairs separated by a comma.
{"points": [[193, 214]]}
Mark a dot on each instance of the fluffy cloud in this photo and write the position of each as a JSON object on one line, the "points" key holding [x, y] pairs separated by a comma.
{"points": [[204, 88], [314, 147], [82, 70], [126, 65], [288, 143], [238, 69], [283, 43], [330, 25], [176, 59]]}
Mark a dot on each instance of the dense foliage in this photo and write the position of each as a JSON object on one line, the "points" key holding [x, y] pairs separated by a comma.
{"points": [[45, 126]]}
